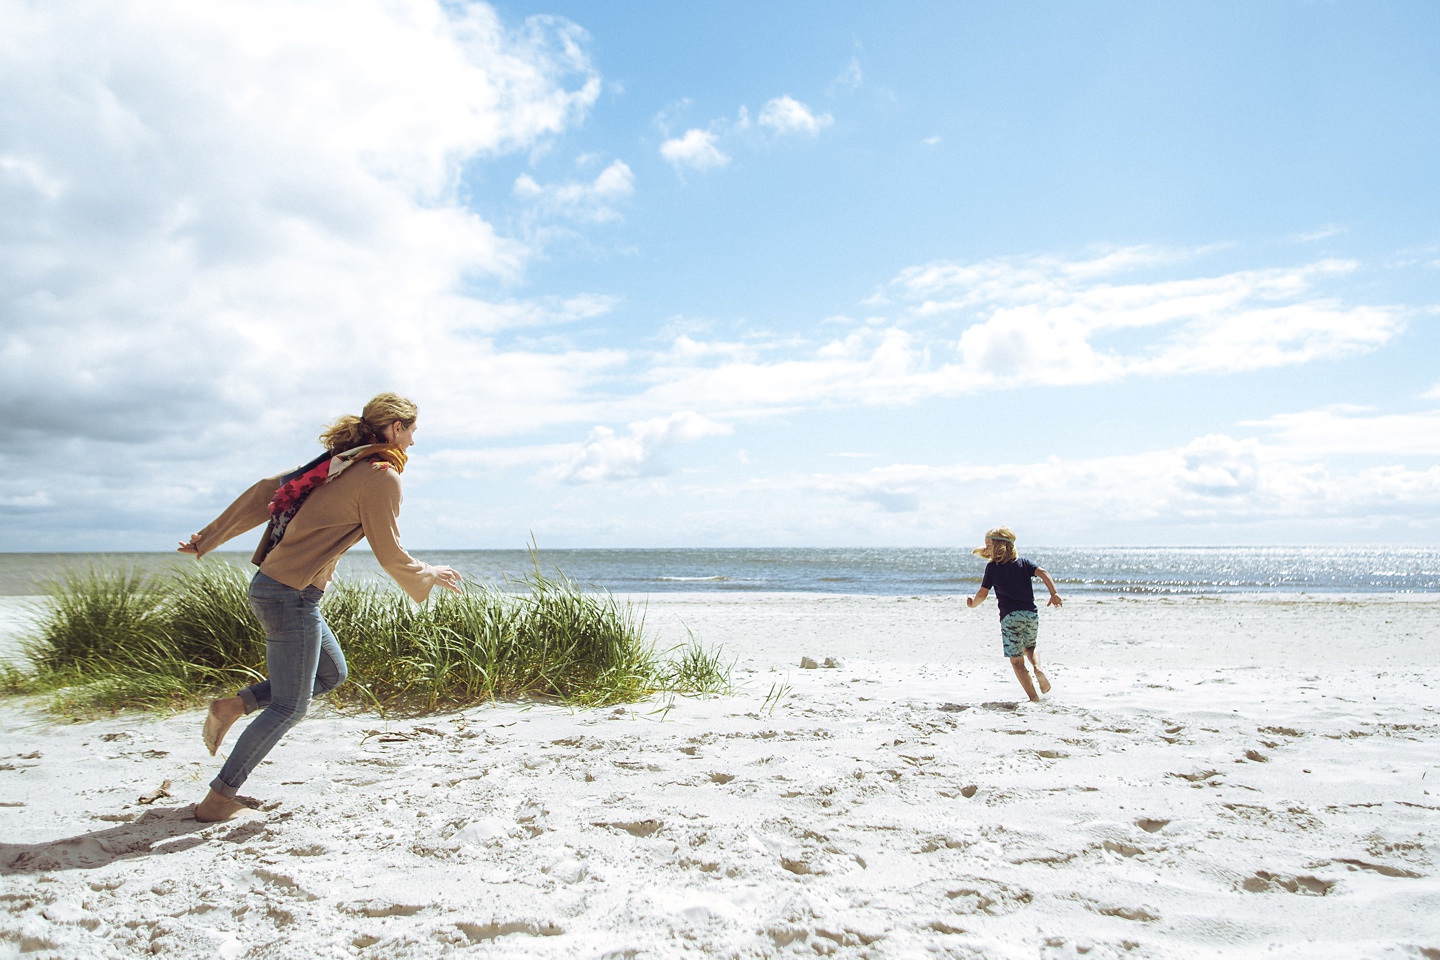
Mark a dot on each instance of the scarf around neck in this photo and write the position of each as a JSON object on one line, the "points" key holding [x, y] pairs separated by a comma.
{"points": [[297, 485]]}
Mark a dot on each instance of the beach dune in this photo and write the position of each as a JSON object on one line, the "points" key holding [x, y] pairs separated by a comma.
{"points": [[1210, 777]]}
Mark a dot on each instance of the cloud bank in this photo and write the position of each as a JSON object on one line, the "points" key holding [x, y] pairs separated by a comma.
{"points": [[965, 328], [223, 223], [1278, 476], [229, 219], [225, 207]]}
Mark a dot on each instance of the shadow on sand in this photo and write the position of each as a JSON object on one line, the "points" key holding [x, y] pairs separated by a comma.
{"points": [[157, 831]]}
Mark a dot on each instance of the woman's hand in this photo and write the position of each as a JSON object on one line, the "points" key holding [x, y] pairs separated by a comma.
{"points": [[449, 578], [193, 547]]}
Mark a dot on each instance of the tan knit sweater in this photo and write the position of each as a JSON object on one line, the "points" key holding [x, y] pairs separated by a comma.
{"points": [[361, 502]]}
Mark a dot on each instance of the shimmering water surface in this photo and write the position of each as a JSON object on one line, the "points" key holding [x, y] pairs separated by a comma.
{"points": [[883, 571]]}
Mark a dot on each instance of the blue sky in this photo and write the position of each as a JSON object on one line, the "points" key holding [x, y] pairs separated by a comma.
{"points": [[729, 274]]}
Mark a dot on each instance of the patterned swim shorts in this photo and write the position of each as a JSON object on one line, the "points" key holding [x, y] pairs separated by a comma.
{"points": [[1018, 630]]}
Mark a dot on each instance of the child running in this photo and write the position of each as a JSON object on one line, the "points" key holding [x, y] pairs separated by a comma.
{"points": [[1010, 575]]}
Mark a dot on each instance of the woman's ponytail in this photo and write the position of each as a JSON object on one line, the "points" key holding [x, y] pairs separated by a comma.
{"points": [[351, 431]]}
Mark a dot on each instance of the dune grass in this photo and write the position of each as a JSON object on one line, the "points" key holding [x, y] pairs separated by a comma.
{"points": [[113, 639]]}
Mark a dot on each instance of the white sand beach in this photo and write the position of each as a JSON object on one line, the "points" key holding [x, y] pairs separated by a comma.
{"points": [[1209, 777]]}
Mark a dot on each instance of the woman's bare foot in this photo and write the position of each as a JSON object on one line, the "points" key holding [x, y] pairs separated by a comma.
{"points": [[223, 713], [1044, 681], [217, 807]]}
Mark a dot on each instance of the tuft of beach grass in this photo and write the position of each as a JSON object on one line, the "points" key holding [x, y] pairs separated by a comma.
{"points": [[113, 639]]}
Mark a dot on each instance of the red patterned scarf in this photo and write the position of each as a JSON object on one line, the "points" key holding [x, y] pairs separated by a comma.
{"points": [[297, 485]]}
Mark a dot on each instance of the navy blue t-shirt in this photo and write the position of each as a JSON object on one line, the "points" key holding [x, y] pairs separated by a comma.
{"points": [[1011, 583]]}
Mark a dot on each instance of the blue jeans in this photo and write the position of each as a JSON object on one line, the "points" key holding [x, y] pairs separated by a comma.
{"points": [[303, 660]]}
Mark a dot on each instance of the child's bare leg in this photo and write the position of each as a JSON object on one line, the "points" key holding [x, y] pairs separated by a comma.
{"points": [[1023, 676], [1040, 677]]}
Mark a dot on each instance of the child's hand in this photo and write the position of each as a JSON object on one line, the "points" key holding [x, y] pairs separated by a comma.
{"points": [[1055, 601]]}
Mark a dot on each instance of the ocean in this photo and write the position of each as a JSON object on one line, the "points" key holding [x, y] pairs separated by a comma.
{"points": [[880, 571]]}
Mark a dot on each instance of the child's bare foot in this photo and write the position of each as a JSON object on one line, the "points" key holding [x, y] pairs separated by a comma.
{"points": [[216, 807], [1044, 681], [223, 713]]}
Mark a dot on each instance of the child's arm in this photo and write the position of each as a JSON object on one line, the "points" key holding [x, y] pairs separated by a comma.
{"points": [[1055, 600], [979, 598]]}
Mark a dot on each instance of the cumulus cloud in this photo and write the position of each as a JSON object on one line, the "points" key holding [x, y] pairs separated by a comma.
{"points": [[606, 455], [593, 202], [695, 149], [1217, 465], [788, 115], [700, 149], [234, 204], [229, 219]]}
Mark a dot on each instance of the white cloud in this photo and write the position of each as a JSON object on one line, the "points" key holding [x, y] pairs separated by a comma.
{"points": [[592, 202], [1038, 321], [29, 173], [1323, 233], [868, 365], [1227, 324], [1349, 431], [27, 501], [1213, 480], [851, 78], [788, 115], [695, 149], [230, 220], [606, 455], [700, 149], [541, 312], [240, 205], [470, 464], [1217, 465]]}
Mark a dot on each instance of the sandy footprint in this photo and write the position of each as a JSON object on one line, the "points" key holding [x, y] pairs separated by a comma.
{"points": [[1263, 881]]}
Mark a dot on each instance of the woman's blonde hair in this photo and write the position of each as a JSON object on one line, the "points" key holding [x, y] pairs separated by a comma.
{"points": [[999, 545], [351, 431]]}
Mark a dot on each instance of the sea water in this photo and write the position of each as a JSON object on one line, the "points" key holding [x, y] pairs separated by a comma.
{"points": [[886, 571]]}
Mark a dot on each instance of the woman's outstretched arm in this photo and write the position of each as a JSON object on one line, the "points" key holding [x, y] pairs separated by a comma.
{"points": [[249, 510]]}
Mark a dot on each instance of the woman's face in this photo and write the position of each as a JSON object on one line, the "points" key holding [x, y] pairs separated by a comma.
{"points": [[400, 435]]}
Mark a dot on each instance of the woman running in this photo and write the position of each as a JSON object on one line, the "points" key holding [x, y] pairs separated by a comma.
{"points": [[350, 491]]}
